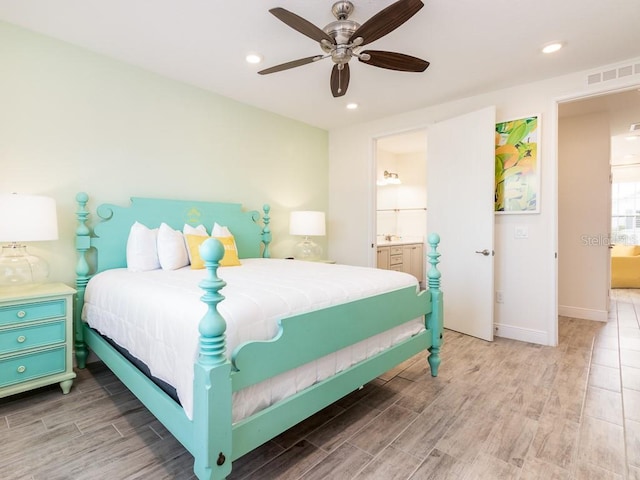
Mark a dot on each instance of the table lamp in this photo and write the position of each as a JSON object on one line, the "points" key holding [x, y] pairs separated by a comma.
{"points": [[307, 224], [25, 218]]}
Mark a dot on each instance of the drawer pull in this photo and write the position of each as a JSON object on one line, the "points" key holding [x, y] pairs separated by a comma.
{"points": [[22, 314], [21, 339], [22, 369]]}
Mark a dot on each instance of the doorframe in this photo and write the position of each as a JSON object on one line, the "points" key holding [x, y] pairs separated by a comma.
{"points": [[618, 87], [373, 188]]}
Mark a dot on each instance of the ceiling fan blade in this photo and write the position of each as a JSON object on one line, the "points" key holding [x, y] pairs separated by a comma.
{"points": [[301, 25], [387, 20], [292, 64], [340, 80], [393, 61]]}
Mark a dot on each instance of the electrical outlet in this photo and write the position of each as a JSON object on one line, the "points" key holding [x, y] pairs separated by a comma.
{"points": [[499, 296]]}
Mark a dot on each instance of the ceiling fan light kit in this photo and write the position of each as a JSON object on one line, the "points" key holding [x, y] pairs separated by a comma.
{"points": [[343, 39]]}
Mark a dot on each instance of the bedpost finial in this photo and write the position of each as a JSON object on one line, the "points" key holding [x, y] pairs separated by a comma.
{"points": [[212, 326], [82, 197], [266, 231], [212, 250], [433, 274]]}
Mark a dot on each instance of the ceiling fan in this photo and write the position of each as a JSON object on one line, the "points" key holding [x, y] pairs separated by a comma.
{"points": [[343, 39]]}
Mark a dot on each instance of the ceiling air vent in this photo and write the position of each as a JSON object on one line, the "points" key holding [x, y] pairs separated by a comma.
{"points": [[594, 78], [634, 127], [613, 74]]}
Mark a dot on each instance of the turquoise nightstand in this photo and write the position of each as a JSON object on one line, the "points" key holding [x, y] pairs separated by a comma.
{"points": [[36, 337]]}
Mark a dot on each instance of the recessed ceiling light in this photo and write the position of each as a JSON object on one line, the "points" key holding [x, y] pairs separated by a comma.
{"points": [[552, 47], [631, 138], [253, 58], [352, 106]]}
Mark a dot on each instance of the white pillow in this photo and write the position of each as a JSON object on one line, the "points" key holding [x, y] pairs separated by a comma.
{"points": [[220, 231], [189, 230], [142, 248], [172, 251]]}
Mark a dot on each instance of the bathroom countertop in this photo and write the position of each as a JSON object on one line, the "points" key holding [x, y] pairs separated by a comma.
{"points": [[402, 241]]}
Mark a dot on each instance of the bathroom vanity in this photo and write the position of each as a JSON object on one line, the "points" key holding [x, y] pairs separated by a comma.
{"points": [[403, 256]]}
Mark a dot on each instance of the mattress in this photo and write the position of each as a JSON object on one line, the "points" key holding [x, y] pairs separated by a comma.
{"points": [[155, 316]]}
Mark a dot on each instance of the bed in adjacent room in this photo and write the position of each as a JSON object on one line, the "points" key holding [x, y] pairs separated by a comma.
{"points": [[224, 345]]}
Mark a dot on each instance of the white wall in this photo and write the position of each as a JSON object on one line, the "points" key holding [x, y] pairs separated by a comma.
{"points": [[525, 268], [584, 216], [72, 120]]}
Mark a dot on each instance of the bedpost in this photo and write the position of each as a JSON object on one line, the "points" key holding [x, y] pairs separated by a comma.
{"points": [[266, 231], [435, 318], [212, 406], [83, 243]]}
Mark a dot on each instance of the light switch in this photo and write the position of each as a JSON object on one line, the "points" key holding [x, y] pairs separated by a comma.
{"points": [[521, 232]]}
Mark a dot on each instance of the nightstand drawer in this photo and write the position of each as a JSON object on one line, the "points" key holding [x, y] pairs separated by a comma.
{"points": [[27, 312], [32, 365], [23, 338]]}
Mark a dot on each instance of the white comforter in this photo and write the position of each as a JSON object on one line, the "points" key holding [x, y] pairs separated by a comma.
{"points": [[155, 316]]}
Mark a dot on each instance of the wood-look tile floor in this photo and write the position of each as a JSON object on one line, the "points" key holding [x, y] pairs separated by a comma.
{"points": [[501, 410]]}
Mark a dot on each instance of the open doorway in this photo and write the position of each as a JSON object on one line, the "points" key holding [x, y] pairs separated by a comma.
{"points": [[401, 202], [625, 199], [593, 152]]}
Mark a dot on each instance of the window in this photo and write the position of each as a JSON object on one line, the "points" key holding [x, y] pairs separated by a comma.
{"points": [[625, 213]]}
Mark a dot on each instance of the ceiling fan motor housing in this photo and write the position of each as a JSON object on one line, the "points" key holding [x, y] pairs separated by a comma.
{"points": [[341, 30]]}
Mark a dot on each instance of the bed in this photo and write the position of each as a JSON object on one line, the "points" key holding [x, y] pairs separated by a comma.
{"points": [[210, 389]]}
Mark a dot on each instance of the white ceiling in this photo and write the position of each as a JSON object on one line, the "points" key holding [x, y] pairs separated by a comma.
{"points": [[474, 46]]}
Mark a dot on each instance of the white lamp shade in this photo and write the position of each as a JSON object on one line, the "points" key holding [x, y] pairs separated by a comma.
{"points": [[308, 223], [27, 218]]}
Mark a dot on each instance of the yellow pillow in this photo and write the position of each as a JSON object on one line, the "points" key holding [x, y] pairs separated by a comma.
{"points": [[230, 258]]}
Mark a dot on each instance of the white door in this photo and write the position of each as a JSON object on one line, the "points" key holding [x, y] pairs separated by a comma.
{"points": [[460, 203]]}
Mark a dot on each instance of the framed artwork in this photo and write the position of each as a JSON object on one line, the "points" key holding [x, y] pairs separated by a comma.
{"points": [[517, 166]]}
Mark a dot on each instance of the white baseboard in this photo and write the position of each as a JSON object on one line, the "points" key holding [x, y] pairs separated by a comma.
{"points": [[522, 334], [583, 313]]}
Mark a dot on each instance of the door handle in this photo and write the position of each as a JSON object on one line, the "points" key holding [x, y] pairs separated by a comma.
{"points": [[484, 252]]}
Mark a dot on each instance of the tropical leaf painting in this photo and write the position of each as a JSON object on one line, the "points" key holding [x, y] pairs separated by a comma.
{"points": [[516, 187]]}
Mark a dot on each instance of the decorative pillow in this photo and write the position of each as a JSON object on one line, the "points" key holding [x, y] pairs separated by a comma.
{"points": [[230, 258], [172, 251], [223, 234], [142, 249], [189, 230], [193, 246]]}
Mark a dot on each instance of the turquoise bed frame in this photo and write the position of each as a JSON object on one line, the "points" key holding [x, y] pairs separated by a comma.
{"points": [[211, 437]]}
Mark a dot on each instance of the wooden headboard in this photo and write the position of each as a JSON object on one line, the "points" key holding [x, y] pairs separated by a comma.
{"points": [[110, 234]]}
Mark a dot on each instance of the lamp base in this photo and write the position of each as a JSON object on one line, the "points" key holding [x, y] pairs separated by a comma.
{"points": [[19, 267], [307, 249]]}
